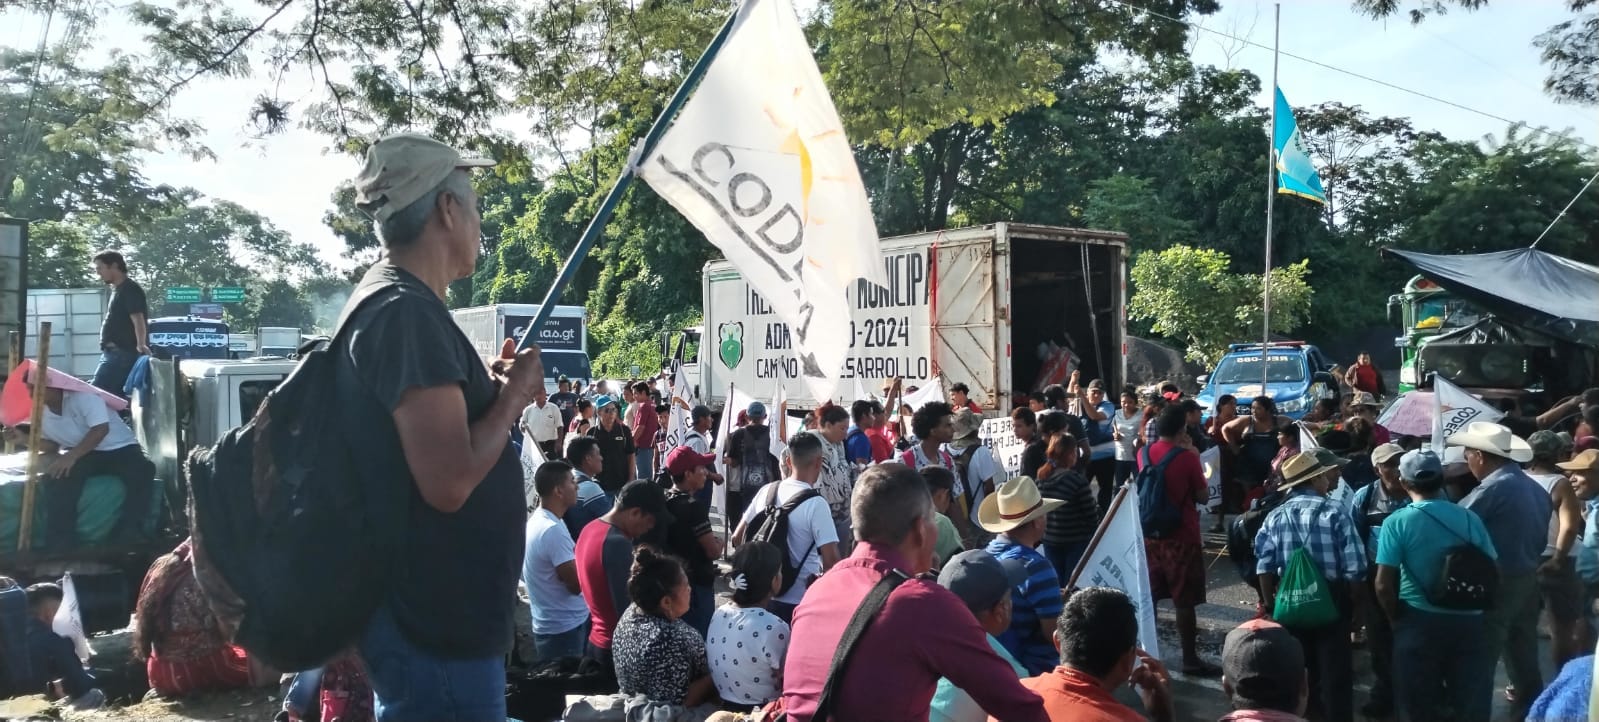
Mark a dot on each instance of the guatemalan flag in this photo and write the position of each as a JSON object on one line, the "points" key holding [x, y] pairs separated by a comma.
{"points": [[1296, 176]]}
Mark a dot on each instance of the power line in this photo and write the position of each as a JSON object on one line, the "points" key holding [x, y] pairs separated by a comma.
{"points": [[1334, 68], [1563, 210]]}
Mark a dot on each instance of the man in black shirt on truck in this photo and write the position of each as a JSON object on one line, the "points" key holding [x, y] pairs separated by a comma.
{"points": [[124, 335]]}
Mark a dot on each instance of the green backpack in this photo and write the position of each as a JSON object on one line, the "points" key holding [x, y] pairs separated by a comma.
{"points": [[1304, 600]]}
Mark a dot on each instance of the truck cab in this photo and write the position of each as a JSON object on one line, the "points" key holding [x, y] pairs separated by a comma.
{"points": [[1424, 310], [1293, 374]]}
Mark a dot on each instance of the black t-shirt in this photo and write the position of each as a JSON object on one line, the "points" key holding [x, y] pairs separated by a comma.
{"points": [[1033, 457], [690, 519], [127, 298], [616, 447], [455, 580], [566, 401]]}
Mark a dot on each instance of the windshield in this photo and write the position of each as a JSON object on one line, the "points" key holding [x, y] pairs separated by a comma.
{"points": [[1246, 369], [573, 364], [1443, 311]]}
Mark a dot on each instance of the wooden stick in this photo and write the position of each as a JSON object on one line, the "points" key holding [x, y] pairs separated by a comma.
{"points": [[41, 372], [1098, 534], [11, 367]]}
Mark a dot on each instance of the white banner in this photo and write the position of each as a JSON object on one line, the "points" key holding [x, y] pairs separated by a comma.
{"points": [[778, 418], [1000, 437], [532, 459], [758, 161], [1456, 408], [1210, 461], [1117, 561], [681, 399], [736, 401], [931, 391], [68, 621]]}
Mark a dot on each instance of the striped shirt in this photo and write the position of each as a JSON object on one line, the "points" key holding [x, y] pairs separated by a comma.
{"points": [[1037, 598], [1322, 527], [1074, 521]]}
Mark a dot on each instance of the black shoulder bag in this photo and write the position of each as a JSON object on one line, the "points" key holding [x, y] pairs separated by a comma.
{"points": [[1469, 578]]}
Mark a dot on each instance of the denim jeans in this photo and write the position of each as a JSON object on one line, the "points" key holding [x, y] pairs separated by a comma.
{"points": [[411, 684], [1064, 558], [701, 604], [305, 693], [571, 643], [113, 370], [646, 463], [1442, 660]]}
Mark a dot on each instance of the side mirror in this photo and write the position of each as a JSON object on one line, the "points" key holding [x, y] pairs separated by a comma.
{"points": [[1202, 379], [1401, 342], [1323, 377], [1393, 311]]}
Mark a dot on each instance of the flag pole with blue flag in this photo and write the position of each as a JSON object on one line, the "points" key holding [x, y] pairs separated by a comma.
{"points": [[1288, 171]]}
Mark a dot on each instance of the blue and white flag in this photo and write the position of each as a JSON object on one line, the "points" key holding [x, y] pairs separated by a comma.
{"points": [[1296, 176]]}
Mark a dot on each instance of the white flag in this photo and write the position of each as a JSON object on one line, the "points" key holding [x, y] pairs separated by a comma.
{"points": [[779, 421], [1210, 461], [1456, 408], [736, 401], [860, 393], [532, 459], [758, 161], [679, 419], [931, 391], [1117, 561], [68, 621], [1307, 438]]}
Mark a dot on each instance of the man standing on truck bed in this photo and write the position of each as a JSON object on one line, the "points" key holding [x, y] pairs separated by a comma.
{"points": [[437, 426], [124, 335]]}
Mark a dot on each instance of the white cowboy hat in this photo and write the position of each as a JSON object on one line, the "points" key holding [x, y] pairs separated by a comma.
{"points": [[1493, 439], [1013, 504], [1364, 398], [1306, 466]]}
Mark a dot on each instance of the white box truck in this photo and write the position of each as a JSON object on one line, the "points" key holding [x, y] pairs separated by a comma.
{"points": [[563, 342], [277, 341], [989, 306], [75, 315]]}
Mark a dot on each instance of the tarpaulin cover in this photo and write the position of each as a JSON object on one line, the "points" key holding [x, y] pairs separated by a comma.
{"points": [[1525, 286]]}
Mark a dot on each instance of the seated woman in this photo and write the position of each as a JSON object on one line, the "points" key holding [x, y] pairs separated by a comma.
{"points": [[746, 644], [176, 634], [657, 654]]}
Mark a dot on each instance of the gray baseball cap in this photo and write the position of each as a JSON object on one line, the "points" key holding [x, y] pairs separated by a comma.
{"points": [[980, 579], [1420, 465], [402, 168]]}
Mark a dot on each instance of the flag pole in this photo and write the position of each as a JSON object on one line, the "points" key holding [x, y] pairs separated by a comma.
{"points": [[1271, 200], [1099, 533], [592, 233]]}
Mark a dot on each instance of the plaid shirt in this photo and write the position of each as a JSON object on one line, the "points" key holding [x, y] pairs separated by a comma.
{"points": [[1320, 525]]}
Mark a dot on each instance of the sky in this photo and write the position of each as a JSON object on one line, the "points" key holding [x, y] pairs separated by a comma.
{"points": [[1482, 60]]}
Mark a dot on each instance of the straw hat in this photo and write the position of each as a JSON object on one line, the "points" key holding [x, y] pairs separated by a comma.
{"points": [[1493, 439], [1306, 466], [1014, 503], [1586, 461], [1364, 398]]}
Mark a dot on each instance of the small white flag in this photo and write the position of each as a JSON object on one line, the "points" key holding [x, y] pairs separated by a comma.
{"points": [[931, 391], [679, 418], [68, 621], [1117, 561], [778, 418], [1456, 408], [736, 401], [1307, 438], [758, 161], [532, 459], [1210, 461]]}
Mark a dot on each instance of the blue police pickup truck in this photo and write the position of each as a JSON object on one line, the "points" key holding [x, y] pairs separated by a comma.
{"points": [[1294, 374]]}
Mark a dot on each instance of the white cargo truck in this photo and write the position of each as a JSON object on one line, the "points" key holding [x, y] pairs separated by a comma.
{"points": [[1002, 308], [563, 342], [75, 315], [277, 341]]}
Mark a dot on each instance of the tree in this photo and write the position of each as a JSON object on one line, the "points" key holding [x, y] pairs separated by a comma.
{"points": [[1191, 297], [1129, 204], [59, 256], [1570, 48]]}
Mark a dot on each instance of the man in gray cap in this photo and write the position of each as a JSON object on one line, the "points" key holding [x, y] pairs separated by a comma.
{"points": [[983, 583], [1263, 673], [433, 421]]}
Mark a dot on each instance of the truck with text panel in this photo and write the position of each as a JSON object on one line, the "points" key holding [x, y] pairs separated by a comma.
{"points": [[563, 342], [1003, 308]]}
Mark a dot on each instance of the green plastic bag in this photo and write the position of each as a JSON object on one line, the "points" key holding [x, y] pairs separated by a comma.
{"points": [[1303, 598]]}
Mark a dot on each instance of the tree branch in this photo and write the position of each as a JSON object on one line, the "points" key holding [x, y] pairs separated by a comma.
{"points": [[220, 59]]}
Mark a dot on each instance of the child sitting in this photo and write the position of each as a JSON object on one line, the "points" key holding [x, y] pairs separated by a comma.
{"points": [[746, 643]]}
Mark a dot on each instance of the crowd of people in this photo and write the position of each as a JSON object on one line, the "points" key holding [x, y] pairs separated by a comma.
{"points": [[883, 563]]}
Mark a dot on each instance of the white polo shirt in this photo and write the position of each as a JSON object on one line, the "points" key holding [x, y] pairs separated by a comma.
{"points": [[543, 422], [80, 412]]}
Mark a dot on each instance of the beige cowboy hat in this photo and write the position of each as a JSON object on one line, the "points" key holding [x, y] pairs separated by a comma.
{"points": [[1363, 398], [1493, 439], [1306, 466], [1013, 504]]}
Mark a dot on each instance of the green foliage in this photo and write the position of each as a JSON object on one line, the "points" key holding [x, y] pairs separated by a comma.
{"points": [[60, 256], [1190, 295], [1129, 204]]}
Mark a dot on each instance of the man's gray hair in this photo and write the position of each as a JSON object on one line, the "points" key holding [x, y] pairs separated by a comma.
{"points": [[890, 500], [405, 226]]}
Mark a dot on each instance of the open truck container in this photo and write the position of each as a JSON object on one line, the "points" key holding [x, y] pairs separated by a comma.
{"points": [[984, 305]]}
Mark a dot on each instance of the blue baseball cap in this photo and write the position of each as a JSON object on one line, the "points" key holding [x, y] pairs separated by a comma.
{"points": [[757, 410], [601, 402], [1420, 465]]}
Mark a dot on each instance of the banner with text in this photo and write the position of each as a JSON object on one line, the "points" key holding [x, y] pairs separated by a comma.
{"points": [[1000, 437], [1457, 408], [1117, 561]]}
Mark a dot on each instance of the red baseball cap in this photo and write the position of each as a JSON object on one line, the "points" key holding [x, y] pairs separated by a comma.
{"points": [[682, 460]]}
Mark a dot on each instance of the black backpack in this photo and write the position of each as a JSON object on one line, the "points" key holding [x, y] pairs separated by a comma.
{"points": [[1159, 516], [294, 546], [1469, 578], [771, 526], [1242, 532], [963, 463]]}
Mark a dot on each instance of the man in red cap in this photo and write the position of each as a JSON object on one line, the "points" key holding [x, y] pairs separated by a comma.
{"points": [[689, 536]]}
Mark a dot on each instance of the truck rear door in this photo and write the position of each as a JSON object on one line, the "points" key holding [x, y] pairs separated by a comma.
{"points": [[970, 329]]}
